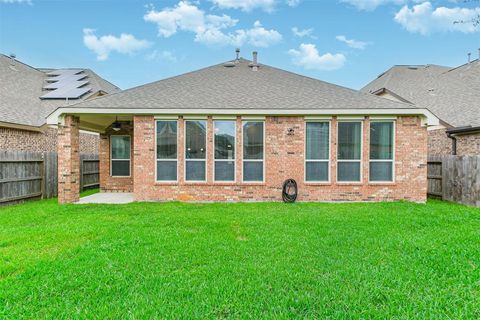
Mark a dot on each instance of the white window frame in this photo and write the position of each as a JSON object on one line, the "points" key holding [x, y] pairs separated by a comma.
{"points": [[163, 159], [353, 160], [254, 160], [185, 150], [129, 159], [394, 128], [328, 161], [226, 160]]}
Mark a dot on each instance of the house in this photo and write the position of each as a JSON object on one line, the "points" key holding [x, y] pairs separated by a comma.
{"points": [[452, 94], [28, 95], [236, 130]]}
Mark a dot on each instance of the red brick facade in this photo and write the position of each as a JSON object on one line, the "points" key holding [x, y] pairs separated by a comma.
{"points": [[69, 160], [46, 141], [284, 158]]}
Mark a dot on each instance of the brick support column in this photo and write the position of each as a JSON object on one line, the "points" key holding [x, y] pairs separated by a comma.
{"points": [[69, 160]]}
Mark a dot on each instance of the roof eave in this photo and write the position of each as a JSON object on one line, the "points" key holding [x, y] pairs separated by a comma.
{"points": [[428, 118]]}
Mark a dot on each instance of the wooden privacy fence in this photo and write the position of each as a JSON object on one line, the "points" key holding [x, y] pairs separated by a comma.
{"points": [[455, 178], [28, 175]]}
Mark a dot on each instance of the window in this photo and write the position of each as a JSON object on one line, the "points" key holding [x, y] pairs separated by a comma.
{"points": [[195, 150], [120, 156], [381, 151], [167, 150], [317, 151], [349, 153], [224, 150], [253, 151]]}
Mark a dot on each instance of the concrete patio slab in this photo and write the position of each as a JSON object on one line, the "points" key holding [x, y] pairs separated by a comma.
{"points": [[108, 198]]}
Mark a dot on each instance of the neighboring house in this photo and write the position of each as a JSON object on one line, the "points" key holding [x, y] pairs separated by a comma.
{"points": [[28, 95], [237, 130], [452, 94]]}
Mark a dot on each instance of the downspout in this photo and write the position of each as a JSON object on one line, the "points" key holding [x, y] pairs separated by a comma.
{"points": [[454, 143]]}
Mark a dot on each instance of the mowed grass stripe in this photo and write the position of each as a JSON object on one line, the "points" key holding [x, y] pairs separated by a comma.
{"points": [[244, 260]]}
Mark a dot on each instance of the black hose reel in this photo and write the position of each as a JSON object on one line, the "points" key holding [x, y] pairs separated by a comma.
{"points": [[289, 191]]}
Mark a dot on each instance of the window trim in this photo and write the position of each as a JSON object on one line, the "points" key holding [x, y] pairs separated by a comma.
{"points": [[360, 161], [156, 158], [253, 160], [383, 160], [226, 160], [329, 160], [185, 150], [129, 159]]}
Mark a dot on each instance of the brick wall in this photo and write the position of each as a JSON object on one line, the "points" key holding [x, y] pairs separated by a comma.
{"points": [[107, 182], [284, 158], [69, 160], [468, 144], [22, 140], [440, 144]]}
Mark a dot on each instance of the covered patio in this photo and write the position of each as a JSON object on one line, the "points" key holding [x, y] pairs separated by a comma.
{"points": [[116, 168]]}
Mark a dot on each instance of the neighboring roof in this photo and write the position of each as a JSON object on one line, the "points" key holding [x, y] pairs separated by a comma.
{"points": [[453, 94], [219, 87], [21, 88]]}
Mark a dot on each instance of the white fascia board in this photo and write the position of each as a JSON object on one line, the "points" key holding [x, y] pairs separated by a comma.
{"points": [[428, 118]]}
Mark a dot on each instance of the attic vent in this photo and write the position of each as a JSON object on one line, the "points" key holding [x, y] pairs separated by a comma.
{"points": [[66, 84], [413, 67], [229, 64]]}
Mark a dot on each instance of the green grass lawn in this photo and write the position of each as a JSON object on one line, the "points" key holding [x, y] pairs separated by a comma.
{"points": [[257, 260]]}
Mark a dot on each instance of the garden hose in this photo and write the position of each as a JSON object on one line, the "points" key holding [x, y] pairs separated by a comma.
{"points": [[289, 190]]}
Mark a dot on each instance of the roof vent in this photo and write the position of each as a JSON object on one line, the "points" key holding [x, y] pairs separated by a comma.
{"points": [[237, 52], [413, 67], [254, 64], [229, 64]]}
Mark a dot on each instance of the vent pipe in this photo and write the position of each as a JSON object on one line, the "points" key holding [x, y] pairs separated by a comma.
{"points": [[254, 62], [237, 51], [478, 54], [469, 57]]}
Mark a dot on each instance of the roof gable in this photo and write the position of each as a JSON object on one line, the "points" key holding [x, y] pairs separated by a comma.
{"points": [[224, 86], [451, 93]]}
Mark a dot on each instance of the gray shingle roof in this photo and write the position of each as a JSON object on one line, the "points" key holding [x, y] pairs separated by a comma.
{"points": [[219, 87], [21, 88], [452, 94]]}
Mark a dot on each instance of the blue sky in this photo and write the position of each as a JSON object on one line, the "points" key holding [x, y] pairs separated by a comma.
{"points": [[347, 42]]}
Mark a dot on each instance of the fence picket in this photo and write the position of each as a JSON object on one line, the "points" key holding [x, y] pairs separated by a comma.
{"points": [[459, 178], [29, 175]]}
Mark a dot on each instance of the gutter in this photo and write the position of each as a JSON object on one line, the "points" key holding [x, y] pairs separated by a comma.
{"points": [[451, 133]]}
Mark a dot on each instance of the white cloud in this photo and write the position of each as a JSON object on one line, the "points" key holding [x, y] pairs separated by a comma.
{"points": [[257, 36], [425, 19], [247, 5], [307, 56], [186, 17], [355, 44], [17, 1], [102, 46], [370, 5], [293, 3], [302, 33], [209, 29], [164, 55]]}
